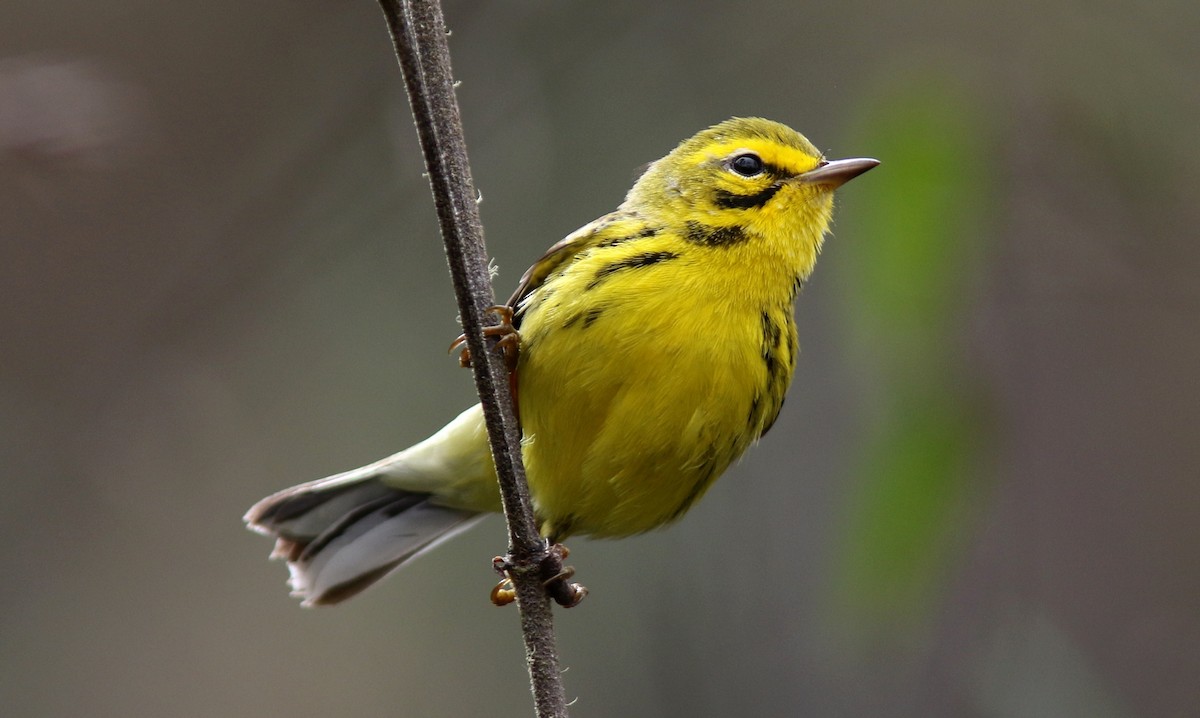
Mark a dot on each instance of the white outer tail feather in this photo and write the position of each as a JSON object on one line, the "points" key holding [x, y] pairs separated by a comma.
{"points": [[342, 533], [372, 547]]}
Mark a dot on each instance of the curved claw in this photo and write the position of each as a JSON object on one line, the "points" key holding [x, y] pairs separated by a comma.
{"points": [[556, 580], [571, 594], [464, 358], [504, 593], [509, 344], [559, 585]]}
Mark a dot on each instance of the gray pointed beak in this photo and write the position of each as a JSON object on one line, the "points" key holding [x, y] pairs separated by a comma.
{"points": [[835, 173]]}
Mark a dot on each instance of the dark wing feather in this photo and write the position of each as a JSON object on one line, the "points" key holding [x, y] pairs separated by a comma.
{"points": [[554, 257], [611, 228]]}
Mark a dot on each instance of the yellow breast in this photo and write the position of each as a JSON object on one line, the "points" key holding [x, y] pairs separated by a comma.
{"points": [[642, 379]]}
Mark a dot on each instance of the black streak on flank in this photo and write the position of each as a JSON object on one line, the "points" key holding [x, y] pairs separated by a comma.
{"points": [[731, 200], [771, 419], [588, 317], [698, 233], [644, 259], [752, 418], [770, 342], [706, 478], [592, 315]]}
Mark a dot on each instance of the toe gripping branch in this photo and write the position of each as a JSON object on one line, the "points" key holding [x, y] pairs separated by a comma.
{"points": [[555, 578], [509, 343]]}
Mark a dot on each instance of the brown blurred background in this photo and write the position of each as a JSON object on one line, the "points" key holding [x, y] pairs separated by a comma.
{"points": [[220, 275]]}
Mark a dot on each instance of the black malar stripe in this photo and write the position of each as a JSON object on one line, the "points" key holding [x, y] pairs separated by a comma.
{"points": [[731, 200]]}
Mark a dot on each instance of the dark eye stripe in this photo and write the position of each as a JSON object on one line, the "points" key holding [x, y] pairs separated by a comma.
{"points": [[775, 171]]}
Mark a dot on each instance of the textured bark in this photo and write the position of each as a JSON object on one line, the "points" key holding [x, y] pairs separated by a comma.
{"points": [[419, 34]]}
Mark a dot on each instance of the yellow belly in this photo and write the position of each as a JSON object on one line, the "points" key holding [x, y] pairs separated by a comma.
{"points": [[636, 395]]}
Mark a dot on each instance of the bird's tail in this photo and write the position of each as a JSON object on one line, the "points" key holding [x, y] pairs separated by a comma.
{"points": [[343, 533]]}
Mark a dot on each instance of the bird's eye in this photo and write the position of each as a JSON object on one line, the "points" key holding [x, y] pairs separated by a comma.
{"points": [[747, 165]]}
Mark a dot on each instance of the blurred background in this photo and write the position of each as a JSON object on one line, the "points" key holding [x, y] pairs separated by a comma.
{"points": [[220, 275]]}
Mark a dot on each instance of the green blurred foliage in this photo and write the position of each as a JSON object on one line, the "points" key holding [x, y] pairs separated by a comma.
{"points": [[920, 235]]}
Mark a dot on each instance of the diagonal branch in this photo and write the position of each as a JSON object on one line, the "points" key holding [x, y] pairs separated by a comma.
{"points": [[419, 35]]}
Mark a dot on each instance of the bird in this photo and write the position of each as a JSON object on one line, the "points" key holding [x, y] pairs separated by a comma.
{"points": [[655, 345]]}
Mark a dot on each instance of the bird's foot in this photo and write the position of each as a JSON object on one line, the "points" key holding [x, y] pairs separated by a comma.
{"points": [[555, 579], [509, 343]]}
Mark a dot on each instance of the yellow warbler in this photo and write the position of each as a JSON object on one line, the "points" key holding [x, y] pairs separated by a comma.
{"points": [[656, 344]]}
